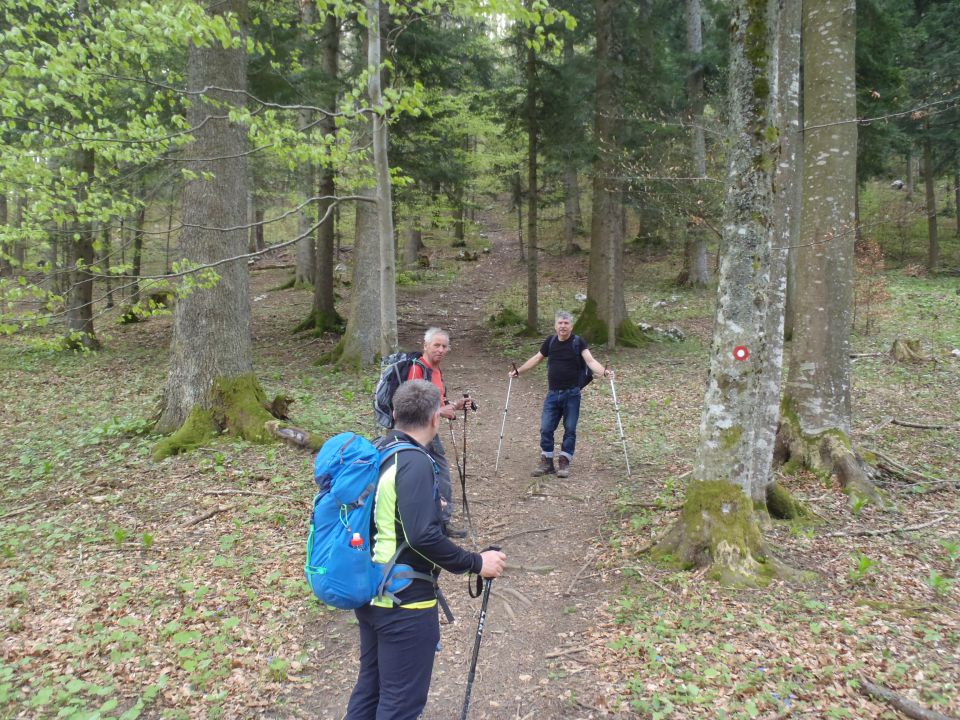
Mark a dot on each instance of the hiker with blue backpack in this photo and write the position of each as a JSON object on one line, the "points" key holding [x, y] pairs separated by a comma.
{"points": [[570, 368], [399, 630]]}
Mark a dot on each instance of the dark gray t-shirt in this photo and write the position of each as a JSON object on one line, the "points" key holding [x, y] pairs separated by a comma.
{"points": [[563, 361]]}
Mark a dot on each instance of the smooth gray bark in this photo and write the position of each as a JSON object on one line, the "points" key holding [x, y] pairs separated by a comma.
{"points": [[741, 403], [929, 179], [306, 174], [361, 340], [388, 263], [788, 182], [818, 386], [533, 195]]}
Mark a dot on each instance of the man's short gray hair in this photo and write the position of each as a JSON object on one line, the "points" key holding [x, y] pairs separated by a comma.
{"points": [[414, 404], [563, 315], [431, 333]]}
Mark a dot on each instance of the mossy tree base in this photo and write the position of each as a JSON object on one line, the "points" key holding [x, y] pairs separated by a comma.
{"points": [[319, 322], [239, 407], [717, 529], [782, 505], [288, 285], [593, 328], [298, 437], [826, 454]]}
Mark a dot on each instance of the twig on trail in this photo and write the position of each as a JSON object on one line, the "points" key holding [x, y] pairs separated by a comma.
{"points": [[653, 505], [535, 569], [206, 516], [562, 496], [21, 511], [854, 356], [523, 532], [879, 426], [252, 492], [568, 651], [663, 587], [590, 559], [922, 426], [889, 531], [524, 600], [908, 707]]}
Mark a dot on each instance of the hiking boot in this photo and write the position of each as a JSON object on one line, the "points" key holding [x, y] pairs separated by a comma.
{"points": [[563, 466], [452, 531], [545, 467]]}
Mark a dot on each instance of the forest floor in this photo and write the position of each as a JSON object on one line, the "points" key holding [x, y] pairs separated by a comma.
{"points": [[175, 590]]}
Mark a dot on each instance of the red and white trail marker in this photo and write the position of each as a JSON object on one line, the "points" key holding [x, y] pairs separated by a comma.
{"points": [[741, 352]]}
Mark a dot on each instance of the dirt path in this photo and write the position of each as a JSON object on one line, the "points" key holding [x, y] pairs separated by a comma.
{"points": [[540, 612]]}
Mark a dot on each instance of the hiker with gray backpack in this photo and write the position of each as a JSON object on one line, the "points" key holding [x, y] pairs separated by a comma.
{"points": [[570, 368], [404, 366]]}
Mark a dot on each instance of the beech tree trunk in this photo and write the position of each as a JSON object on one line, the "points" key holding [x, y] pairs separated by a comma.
{"points": [[572, 217], [717, 527], [816, 413], [304, 274], [82, 256], [788, 181], [6, 268], [696, 268], [211, 385], [388, 263], [360, 343]]}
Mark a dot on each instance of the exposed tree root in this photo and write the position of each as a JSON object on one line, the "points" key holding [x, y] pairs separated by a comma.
{"points": [[319, 322], [239, 407], [295, 436], [908, 707], [717, 530], [594, 329], [784, 506], [827, 453]]}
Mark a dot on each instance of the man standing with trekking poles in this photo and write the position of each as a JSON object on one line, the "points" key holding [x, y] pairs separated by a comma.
{"points": [[399, 634], [568, 360]]}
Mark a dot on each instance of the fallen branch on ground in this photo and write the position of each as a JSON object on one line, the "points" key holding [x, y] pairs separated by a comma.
{"points": [[206, 516], [568, 651], [524, 532], [576, 577], [922, 426], [908, 707], [21, 511], [888, 531], [252, 492], [902, 470]]}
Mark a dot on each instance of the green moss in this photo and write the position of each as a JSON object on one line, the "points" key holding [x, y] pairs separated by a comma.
{"points": [[729, 437], [241, 407], [288, 285], [320, 322], [198, 429], [782, 505], [506, 317]]}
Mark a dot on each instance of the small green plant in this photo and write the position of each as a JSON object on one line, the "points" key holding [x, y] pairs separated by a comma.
{"points": [[277, 669], [953, 550], [862, 567], [859, 503], [940, 584], [147, 540], [120, 535]]}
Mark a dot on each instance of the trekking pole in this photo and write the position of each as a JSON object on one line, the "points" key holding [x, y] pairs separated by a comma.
{"points": [[623, 439], [504, 423], [463, 475], [476, 643]]}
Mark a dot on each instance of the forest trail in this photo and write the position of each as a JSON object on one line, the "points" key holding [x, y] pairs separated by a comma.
{"points": [[541, 612]]}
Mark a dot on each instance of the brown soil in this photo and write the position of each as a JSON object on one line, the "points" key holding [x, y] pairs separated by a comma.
{"points": [[541, 612]]}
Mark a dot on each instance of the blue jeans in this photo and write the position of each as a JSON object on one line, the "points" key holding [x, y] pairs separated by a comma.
{"points": [[397, 649], [560, 404]]}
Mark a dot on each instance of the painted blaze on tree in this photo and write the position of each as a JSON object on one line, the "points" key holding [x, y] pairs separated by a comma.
{"points": [[718, 525]]}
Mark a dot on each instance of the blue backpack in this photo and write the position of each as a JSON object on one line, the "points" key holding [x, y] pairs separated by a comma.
{"points": [[340, 567]]}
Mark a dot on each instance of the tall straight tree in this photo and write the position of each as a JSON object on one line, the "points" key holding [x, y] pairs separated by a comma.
{"points": [[381, 163], [211, 385], [604, 318], [816, 413], [695, 271], [533, 195], [718, 526]]}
